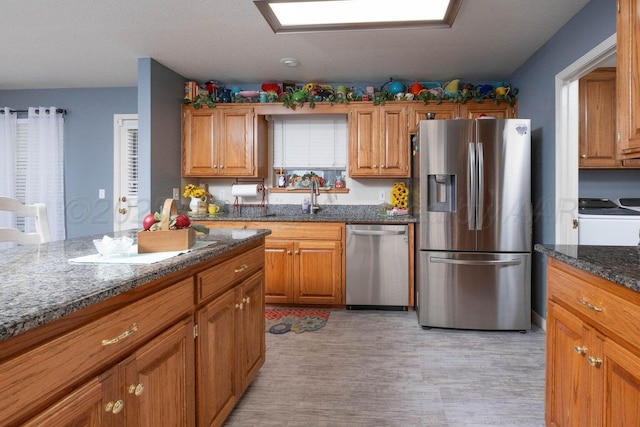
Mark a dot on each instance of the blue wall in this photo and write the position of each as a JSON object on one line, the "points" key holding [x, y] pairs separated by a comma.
{"points": [[88, 148], [536, 100]]}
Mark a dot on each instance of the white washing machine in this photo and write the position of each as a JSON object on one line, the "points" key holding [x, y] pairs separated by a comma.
{"points": [[603, 222]]}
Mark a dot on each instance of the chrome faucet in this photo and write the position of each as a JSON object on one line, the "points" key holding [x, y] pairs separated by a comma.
{"points": [[315, 192]]}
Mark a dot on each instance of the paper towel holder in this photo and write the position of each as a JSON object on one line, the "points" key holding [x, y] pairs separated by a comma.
{"points": [[261, 190]]}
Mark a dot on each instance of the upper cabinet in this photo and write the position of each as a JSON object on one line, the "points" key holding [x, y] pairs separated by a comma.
{"points": [[628, 79], [378, 142], [229, 142], [501, 110], [597, 140]]}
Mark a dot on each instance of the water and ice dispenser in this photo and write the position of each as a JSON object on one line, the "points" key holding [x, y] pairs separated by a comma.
{"points": [[441, 196]]}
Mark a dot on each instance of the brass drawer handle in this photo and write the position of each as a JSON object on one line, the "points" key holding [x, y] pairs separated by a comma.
{"points": [[595, 362], [240, 306], [590, 306], [580, 350], [122, 336], [242, 268]]}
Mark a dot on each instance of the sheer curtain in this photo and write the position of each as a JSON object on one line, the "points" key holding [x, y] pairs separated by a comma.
{"points": [[45, 166], [8, 148], [32, 166]]}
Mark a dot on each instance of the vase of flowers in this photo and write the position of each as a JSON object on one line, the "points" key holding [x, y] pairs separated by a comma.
{"points": [[199, 197]]}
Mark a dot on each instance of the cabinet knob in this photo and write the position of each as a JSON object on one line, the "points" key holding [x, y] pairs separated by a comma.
{"points": [[136, 389], [246, 300], [221, 166], [584, 156], [240, 305], [114, 407], [288, 252], [297, 253], [595, 362], [580, 349], [375, 166]]}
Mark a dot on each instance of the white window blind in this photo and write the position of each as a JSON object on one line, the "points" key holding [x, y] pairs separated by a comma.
{"points": [[132, 161], [22, 141], [310, 142]]}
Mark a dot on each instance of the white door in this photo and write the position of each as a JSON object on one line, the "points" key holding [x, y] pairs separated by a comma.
{"points": [[125, 172]]}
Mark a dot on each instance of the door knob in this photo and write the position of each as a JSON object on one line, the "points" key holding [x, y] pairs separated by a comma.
{"points": [[123, 199], [122, 211]]}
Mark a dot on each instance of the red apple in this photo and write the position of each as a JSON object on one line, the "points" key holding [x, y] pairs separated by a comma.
{"points": [[148, 221], [182, 221]]}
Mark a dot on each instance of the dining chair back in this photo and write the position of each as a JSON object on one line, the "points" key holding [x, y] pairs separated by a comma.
{"points": [[38, 211]]}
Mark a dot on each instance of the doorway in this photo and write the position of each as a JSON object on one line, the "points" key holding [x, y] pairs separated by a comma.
{"points": [[125, 171], [567, 129]]}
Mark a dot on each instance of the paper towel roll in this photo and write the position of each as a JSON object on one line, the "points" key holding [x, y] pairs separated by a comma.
{"points": [[245, 190]]}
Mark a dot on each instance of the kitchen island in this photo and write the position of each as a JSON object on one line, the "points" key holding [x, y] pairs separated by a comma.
{"points": [[593, 335], [89, 343]]}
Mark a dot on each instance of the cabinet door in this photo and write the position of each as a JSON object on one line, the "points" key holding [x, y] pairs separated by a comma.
{"points": [[235, 147], [252, 329], [444, 111], [217, 385], [278, 271], [82, 408], [566, 382], [198, 157], [394, 143], [364, 136], [159, 380], [318, 272], [622, 386], [628, 78], [501, 110], [597, 138]]}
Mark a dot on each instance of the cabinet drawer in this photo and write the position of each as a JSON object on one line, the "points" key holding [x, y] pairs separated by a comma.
{"points": [[303, 230], [218, 278], [37, 375], [617, 311]]}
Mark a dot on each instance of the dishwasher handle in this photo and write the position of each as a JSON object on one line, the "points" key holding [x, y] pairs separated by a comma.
{"points": [[514, 261], [378, 232]]}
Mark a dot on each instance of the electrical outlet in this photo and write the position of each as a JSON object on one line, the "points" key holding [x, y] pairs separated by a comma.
{"points": [[176, 194], [101, 194], [223, 195], [381, 195]]}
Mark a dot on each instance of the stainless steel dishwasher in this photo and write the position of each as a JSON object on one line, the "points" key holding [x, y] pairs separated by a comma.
{"points": [[377, 265]]}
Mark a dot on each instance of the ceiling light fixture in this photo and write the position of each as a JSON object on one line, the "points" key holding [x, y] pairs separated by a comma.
{"points": [[290, 62], [294, 16]]}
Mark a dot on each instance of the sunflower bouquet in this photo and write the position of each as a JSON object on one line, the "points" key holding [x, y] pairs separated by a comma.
{"points": [[190, 190]]}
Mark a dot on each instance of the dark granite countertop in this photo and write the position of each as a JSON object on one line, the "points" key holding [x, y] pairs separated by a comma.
{"points": [[293, 213], [618, 264], [39, 284]]}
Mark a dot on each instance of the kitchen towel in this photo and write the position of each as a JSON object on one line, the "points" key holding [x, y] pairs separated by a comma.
{"points": [[135, 258], [245, 190]]}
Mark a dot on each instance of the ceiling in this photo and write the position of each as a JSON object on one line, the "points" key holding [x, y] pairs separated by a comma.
{"points": [[81, 43]]}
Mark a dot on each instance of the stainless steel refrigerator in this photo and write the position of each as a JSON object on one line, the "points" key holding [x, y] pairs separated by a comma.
{"points": [[472, 197]]}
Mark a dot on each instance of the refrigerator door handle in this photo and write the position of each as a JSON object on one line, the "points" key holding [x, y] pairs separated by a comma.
{"points": [[471, 186], [514, 261], [480, 205]]}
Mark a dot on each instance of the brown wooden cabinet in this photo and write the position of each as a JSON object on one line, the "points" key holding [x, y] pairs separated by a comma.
{"points": [[419, 111], [304, 262], [223, 142], [628, 79], [593, 350], [501, 110], [597, 136], [379, 146], [230, 348]]}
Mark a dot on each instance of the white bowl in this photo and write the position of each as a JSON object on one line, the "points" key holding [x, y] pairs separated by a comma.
{"points": [[113, 247]]}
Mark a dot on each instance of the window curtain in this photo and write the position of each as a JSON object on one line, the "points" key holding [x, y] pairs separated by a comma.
{"points": [[8, 156], [45, 166], [34, 150]]}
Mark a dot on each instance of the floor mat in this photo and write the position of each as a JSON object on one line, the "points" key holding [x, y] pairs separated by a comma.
{"points": [[298, 320]]}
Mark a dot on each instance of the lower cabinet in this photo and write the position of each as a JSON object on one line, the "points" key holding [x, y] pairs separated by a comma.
{"points": [[593, 351], [152, 387], [303, 262], [230, 348]]}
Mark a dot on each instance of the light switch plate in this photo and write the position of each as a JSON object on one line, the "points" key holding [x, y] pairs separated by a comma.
{"points": [[381, 195], [176, 194], [101, 194]]}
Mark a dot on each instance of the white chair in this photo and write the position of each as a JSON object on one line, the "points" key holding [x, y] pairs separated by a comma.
{"points": [[38, 211]]}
